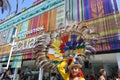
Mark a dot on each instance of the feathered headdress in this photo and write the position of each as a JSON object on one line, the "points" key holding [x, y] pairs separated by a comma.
{"points": [[53, 47]]}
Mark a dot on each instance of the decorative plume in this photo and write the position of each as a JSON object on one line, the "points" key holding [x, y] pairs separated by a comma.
{"points": [[53, 47]]}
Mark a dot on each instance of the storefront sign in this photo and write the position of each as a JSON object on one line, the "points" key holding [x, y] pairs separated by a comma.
{"points": [[25, 44]]}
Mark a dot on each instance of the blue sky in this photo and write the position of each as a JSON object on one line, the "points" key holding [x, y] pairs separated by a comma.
{"points": [[27, 4]]}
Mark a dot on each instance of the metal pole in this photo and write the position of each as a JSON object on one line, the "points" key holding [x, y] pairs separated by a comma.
{"points": [[40, 74], [13, 43], [15, 73]]}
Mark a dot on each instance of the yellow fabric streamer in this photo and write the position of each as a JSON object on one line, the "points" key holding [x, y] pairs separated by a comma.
{"points": [[56, 44]]}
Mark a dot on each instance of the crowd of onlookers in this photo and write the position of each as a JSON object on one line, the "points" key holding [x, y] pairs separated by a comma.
{"points": [[8, 74], [102, 76]]}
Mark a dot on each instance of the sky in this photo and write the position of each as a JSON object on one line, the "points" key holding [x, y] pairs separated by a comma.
{"points": [[27, 4]]}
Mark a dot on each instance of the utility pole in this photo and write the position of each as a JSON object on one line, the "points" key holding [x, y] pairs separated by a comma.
{"points": [[12, 45]]}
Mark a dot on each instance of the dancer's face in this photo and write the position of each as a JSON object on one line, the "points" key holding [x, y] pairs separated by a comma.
{"points": [[75, 70]]}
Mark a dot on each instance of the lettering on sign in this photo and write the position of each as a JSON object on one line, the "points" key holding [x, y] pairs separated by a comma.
{"points": [[25, 44], [31, 31]]}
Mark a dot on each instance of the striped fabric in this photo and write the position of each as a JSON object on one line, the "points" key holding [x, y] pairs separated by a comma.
{"points": [[109, 30], [34, 25], [79, 10], [60, 16], [87, 9], [14, 29], [22, 29], [45, 21], [17, 61], [107, 6], [27, 56], [114, 4], [5, 36], [30, 26], [16, 58], [18, 31], [109, 26], [10, 35], [74, 10], [52, 19]]}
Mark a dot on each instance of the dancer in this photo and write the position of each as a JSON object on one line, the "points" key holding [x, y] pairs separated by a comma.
{"points": [[74, 73]]}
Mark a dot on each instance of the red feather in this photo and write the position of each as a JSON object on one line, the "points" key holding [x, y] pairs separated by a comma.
{"points": [[70, 61]]}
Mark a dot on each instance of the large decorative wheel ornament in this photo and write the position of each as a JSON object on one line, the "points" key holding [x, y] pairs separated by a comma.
{"points": [[53, 47]]}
